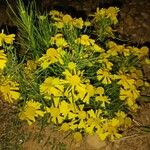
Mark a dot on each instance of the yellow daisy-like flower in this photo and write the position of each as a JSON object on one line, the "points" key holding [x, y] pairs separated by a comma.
{"points": [[10, 91], [75, 86], [105, 76], [55, 114], [65, 108], [52, 56], [52, 88], [78, 23], [59, 40], [123, 119], [85, 40], [112, 13], [100, 13], [67, 19], [59, 24], [2, 37], [125, 81], [97, 48], [109, 129], [56, 15], [101, 97], [9, 38], [142, 52], [3, 59], [129, 96], [30, 111]]}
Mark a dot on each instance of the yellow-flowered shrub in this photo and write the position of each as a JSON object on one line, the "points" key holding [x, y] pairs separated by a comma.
{"points": [[79, 83]]}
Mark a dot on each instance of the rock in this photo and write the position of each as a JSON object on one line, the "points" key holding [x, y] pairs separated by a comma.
{"points": [[135, 21], [95, 142]]}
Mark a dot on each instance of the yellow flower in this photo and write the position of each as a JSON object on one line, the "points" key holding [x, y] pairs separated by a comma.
{"points": [[65, 127], [123, 119], [73, 80], [112, 13], [140, 52], [9, 38], [111, 127], [101, 97], [67, 19], [90, 89], [85, 40], [10, 91], [99, 91], [102, 134], [77, 136], [121, 116], [65, 108], [72, 66], [87, 23], [3, 59], [108, 64], [75, 87], [31, 111], [59, 24], [52, 88], [97, 48], [56, 15], [59, 40], [52, 56], [104, 75], [129, 95], [78, 23], [125, 81], [55, 114], [113, 49], [2, 37], [82, 115], [104, 59], [82, 124], [100, 13]]}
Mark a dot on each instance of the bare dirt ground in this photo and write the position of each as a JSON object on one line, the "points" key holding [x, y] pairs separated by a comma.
{"points": [[19, 136]]}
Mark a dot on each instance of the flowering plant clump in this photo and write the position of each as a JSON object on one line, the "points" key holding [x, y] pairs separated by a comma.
{"points": [[77, 83]]}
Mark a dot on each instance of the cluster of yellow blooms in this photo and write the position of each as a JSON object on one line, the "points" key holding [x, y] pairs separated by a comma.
{"points": [[62, 20], [81, 81], [8, 39], [9, 89], [110, 13], [72, 91]]}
